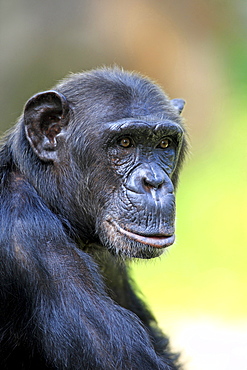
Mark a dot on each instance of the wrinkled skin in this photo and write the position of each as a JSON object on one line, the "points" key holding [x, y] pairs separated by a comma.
{"points": [[143, 209], [88, 179]]}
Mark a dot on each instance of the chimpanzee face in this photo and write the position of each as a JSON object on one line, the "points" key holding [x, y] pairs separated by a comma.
{"points": [[138, 220], [120, 146]]}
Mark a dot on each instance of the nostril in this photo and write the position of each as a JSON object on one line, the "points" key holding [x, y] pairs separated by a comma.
{"points": [[153, 183], [146, 184], [160, 185]]}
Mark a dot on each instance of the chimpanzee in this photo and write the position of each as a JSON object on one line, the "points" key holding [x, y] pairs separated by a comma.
{"points": [[87, 180]]}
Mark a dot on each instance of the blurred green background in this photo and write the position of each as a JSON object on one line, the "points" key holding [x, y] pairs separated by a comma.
{"points": [[196, 50]]}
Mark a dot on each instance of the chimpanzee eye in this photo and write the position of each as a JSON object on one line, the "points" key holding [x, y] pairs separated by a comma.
{"points": [[164, 143], [125, 142]]}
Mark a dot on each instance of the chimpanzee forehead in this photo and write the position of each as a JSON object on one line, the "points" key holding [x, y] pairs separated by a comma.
{"points": [[143, 126]]}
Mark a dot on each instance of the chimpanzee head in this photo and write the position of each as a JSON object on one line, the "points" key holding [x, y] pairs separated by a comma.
{"points": [[105, 148]]}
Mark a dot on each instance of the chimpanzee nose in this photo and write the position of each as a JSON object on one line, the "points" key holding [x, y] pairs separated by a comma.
{"points": [[149, 177], [153, 179]]}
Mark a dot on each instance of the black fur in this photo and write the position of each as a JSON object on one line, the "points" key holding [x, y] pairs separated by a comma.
{"points": [[68, 188]]}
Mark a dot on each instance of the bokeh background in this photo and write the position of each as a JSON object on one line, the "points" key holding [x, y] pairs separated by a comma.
{"points": [[196, 50]]}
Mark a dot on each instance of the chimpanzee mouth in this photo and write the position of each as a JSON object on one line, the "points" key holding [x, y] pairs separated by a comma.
{"points": [[155, 241]]}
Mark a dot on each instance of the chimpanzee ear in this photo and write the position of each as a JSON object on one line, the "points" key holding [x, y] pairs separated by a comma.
{"points": [[178, 104], [45, 116]]}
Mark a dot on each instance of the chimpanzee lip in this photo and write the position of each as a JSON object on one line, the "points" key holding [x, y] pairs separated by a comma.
{"points": [[156, 241]]}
